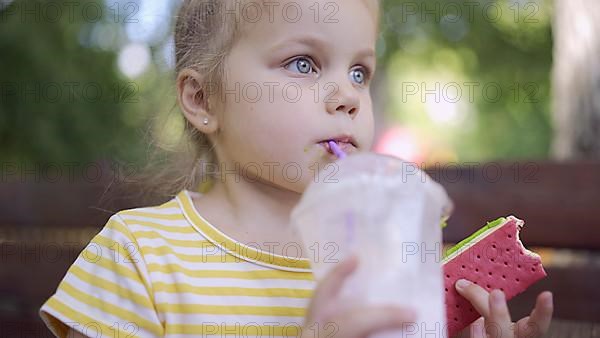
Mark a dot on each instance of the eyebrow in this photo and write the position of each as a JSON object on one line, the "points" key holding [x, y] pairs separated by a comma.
{"points": [[315, 42]]}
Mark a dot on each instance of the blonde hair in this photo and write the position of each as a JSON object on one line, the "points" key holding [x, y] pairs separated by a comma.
{"points": [[203, 39]]}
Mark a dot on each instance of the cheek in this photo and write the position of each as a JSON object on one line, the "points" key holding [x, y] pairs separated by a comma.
{"points": [[364, 123], [285, 110], [264, 130], [368, 129]]}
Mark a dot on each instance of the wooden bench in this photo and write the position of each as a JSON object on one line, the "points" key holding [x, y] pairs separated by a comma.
{"points": [[45, 225], [560, 204]]}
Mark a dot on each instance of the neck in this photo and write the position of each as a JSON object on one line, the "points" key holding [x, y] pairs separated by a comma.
{"points": [[256, 209]]}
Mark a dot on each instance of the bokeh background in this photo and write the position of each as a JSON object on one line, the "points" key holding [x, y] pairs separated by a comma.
{"points": [[465, 80], [87, 88]]}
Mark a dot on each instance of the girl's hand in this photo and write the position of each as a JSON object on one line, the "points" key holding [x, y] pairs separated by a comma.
{"points": [[327, 316], [496, 321]]}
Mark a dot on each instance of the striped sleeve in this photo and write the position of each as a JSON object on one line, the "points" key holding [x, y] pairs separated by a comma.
{"points": [[107, 291]]}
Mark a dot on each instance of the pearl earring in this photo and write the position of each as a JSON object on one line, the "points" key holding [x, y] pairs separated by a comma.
{"points": [[205, 121]]}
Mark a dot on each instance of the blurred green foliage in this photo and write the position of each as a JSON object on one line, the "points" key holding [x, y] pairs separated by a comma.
{"points": [[50, 77], [62, 100], [480, 46]]}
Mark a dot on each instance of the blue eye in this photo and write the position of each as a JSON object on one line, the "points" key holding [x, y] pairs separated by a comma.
{"points": [[302, 64], [360, 76]]}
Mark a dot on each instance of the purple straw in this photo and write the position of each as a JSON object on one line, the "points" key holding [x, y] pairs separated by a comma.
{"points": [[337, 150]]}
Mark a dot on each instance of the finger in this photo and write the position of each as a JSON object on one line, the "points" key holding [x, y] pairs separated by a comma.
{"points": [[475, 294], [329, 286], [448, 208], [524, 329], [477, 329], [362, 322], [332, 282], [498, 324], [541, 315]]}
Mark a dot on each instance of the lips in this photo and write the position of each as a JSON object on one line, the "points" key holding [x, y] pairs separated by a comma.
{"points": [[346, 142], [344, 139]]}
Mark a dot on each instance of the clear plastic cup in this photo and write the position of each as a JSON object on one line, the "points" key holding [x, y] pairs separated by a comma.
{"points": [[387, 211]]}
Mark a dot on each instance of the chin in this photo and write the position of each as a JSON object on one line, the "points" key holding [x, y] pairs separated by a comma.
{"points": [[297, 187]]}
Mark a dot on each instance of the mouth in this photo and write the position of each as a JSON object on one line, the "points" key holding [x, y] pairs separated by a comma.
{"points": [[346, 142]]}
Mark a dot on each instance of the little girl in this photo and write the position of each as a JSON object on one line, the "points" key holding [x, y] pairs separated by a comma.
{"points": [[262, 85]]}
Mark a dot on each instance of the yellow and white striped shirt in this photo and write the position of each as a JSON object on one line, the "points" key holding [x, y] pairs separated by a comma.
{"points": [[164, 271]]}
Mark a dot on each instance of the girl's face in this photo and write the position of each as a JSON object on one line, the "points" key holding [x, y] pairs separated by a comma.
{"points": [[297, 77]]}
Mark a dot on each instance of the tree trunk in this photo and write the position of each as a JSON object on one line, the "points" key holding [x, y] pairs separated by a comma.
{"points": [[576, 79]]}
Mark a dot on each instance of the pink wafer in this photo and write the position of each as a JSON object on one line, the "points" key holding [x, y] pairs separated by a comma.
{"points": [[493, 258]]}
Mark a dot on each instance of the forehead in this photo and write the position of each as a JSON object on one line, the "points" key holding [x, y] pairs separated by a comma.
{"points": [[339, 21]]}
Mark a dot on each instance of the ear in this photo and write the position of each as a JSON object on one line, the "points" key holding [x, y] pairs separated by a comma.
{"points": [[193, 100]]}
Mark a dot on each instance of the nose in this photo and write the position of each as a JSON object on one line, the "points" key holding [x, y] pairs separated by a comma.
{"points": [[343, 98]]}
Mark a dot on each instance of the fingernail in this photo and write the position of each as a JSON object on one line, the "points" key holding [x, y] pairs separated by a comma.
{"points": [[409, 315], [549, 299], [347, 260], [462, 284], [497, 297]]}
